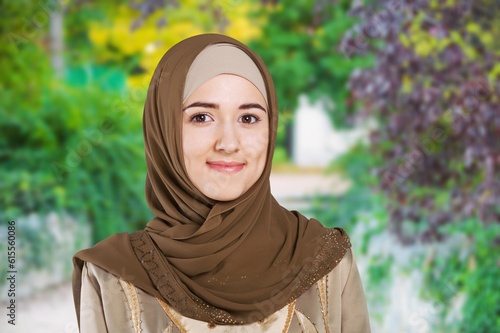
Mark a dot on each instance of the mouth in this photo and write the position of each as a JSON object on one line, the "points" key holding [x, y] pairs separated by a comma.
{"points": [[226, 167]]}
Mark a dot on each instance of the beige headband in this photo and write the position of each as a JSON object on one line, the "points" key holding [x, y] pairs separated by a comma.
{"points": [[219, 59]]}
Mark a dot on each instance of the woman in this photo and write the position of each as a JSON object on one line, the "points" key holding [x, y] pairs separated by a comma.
{"points": [[221, 255]]}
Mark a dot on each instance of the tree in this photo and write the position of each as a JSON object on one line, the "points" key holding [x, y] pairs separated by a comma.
{"points": [[151, 27], [435, 91], [300, 44]]}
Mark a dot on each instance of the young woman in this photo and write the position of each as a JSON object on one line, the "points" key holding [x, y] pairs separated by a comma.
{"points": [[221, 255]]}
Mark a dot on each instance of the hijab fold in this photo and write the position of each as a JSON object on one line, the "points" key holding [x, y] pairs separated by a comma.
{"points": [[229, 263]]}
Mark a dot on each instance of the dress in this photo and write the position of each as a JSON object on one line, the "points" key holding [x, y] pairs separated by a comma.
{"points": [[335, 304]]}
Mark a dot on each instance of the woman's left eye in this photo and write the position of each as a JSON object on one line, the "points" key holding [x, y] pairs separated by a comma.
{"points": [[249, 119]]}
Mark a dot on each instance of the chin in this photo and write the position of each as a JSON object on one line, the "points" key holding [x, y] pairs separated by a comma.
{"points": [[225, 197], [224, 194]]}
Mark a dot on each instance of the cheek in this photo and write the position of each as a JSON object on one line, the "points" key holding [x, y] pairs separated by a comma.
{"points": [[193, 146], [263, 139], [256, 145]]}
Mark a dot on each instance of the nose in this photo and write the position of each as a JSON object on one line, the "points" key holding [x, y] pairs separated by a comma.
{"points": [[227, 140]]}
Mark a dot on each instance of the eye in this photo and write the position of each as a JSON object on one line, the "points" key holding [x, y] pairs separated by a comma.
{"points": [[200, 118], [249, 119]]}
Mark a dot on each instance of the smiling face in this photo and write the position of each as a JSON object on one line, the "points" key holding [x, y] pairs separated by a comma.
{"points": [[225, 134]]}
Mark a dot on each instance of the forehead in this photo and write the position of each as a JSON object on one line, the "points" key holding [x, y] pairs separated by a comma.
{"points": [[227, 88], [220, 59]]}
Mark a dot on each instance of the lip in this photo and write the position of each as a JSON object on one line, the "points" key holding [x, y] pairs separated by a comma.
{"points": [[226, 167]]}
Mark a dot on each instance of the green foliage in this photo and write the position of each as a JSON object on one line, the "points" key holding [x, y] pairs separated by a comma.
{"points": [[279, 156], [359, 201], [70, 147], [349, 207], [379, 277], [80, 151], [74, 150], [300, 45], [474, 271]]}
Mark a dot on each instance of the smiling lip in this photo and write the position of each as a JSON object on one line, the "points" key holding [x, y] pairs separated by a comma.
{"points": [[226, 167]]}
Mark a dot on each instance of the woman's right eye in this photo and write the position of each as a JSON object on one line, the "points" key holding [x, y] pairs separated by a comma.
{"points": [[200, 118]]}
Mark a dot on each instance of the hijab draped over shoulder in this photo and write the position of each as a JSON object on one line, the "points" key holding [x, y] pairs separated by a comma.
{"points": [[232, 262]]}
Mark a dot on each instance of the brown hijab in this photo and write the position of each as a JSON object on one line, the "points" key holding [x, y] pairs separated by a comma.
{"points": [[232, 262]]}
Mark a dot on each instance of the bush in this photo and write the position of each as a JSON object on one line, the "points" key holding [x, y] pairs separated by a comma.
{"points": [[74, 150], [434, 92]]}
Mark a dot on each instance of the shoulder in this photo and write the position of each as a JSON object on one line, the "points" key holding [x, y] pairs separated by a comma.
{"points": [[333, 281], [344, 268], [110, 246], [332, 284], [113, 255], [97, 274]]}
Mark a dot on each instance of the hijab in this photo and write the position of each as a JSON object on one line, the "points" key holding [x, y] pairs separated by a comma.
{"points": [[224, 262]]}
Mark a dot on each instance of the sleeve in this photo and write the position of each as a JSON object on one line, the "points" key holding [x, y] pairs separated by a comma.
{"points": [[103, 307], [354, 309]]}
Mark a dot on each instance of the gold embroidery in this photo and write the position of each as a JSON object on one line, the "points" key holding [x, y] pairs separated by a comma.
{"points": [[335, 242], [323, 297], [289, 315], [305, 323], [133, 301], [175, 320], [171, 315]]}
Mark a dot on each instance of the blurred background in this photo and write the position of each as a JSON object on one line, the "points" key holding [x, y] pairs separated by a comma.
{"points": [[389, 128]]}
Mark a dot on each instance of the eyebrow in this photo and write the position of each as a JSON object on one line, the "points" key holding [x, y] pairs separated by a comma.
{"points": [[245, 106]]}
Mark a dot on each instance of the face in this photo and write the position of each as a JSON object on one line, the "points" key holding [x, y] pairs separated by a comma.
{"points": [[225, 134]]}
